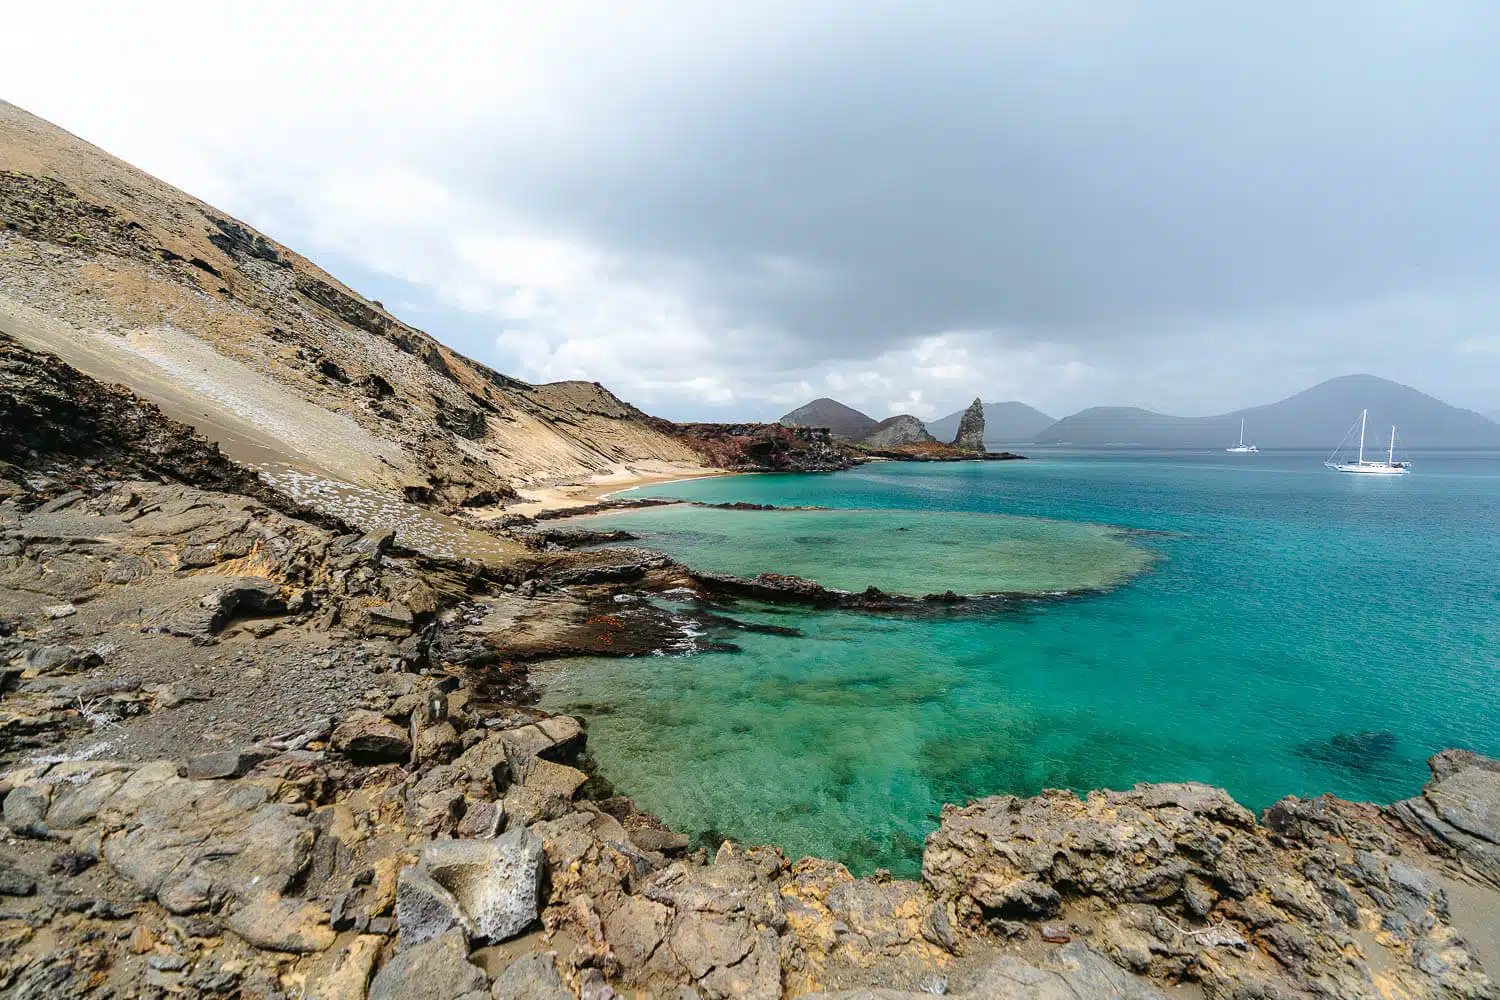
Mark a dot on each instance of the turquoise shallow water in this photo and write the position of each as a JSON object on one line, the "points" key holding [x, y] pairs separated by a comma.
{"points": [[1302, 632], [901, 552]]}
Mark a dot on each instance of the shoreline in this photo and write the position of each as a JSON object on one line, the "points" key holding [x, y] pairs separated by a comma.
{"points": [[667, 482], [538, 500]]}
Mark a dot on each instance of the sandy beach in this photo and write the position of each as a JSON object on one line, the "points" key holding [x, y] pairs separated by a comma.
{"points": [[537, 499]]}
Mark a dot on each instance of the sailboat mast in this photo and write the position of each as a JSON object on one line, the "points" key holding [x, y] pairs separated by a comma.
{"points": [[1242, 432], [1390, 456], [1363, 416]]}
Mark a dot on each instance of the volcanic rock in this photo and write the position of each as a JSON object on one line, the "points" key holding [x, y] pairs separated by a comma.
{"points": [[490, 888], [434, 970], [894, 432], [970, 435], [370, 738], [278, 924], [531, 977]]}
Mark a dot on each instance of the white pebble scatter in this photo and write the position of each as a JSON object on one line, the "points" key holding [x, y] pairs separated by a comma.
{"points": [[416, 527]]}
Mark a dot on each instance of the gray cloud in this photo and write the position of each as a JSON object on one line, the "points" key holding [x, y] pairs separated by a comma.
{"points": [[1181, 164], [717, 209]]}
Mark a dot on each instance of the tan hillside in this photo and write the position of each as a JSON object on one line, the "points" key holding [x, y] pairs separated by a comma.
{"points": [[134, 281]]}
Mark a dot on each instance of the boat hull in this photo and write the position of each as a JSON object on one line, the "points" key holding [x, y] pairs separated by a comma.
{"points": [[1369, 469]]}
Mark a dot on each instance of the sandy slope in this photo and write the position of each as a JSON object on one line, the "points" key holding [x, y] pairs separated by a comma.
{"points": [[133, 280]]}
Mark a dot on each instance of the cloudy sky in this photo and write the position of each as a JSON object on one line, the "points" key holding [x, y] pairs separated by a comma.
{"points": [[728, 208]]}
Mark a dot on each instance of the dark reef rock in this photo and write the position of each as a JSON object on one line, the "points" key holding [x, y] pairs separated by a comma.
{"points": [[1362, 753]]}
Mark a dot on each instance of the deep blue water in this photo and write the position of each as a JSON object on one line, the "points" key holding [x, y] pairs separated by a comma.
{"points": [[1301, 632]]}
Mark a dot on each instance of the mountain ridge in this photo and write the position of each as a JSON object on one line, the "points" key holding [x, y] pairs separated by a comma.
{"points": [[1315, 417]]}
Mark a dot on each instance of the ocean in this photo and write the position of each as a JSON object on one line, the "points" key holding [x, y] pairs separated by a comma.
{"points": [[1255, 622]]}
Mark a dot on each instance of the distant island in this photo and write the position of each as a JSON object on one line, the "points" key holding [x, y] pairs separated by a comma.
{"points": [[1314, 418]]}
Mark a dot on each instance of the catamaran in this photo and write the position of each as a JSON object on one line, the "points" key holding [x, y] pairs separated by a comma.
{"points": [[1390, 467], [1242, 448]]}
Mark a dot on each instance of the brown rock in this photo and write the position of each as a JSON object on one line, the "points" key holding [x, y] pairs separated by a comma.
{"points": [[438, 742], [350, 976], [556, 780], [370, 738], [278, 924]]}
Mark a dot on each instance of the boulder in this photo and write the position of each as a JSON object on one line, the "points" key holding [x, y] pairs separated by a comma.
{"points": [[393, 620], [243, 596], [350, 976], [14, 883], [555, 780], [1071, 971], [278, 924], [500, 758], [1470, 801], [426, 910], [496, 882], [258, 846], [370, 738], [25, 811], [531, 977], [1458, 812], [660, 841], [434, 970], [223, 764], [438, 742], [481, 819]]}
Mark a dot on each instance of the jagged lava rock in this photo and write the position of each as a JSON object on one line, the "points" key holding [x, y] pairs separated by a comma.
{"points": [[490, 888]]}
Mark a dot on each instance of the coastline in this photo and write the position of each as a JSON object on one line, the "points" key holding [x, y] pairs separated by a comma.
{"points": [[305, 763], [550, 499]]}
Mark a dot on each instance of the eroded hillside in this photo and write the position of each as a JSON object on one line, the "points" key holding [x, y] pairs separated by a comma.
{"points": [[134, 281]]}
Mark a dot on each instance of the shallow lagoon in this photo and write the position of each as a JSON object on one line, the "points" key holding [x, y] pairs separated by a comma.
{"points": [[1303, 632], [901, 552]]}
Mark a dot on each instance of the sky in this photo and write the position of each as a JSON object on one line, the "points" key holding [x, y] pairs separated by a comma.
{"points": [[725, 209]]}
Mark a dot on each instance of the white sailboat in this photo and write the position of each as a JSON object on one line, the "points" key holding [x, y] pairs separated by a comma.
{"points": [[1390, 467], [1242, 448]]}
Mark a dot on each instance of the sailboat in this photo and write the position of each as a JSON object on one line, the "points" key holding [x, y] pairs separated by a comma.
{"points": [[1390, 467], [1242, 448]]}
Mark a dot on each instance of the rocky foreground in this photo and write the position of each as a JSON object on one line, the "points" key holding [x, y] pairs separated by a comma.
{"points": [[254, 752]]}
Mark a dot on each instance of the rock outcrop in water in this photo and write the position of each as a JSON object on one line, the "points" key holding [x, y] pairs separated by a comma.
{"points": [[250, 755], [970, 436]]}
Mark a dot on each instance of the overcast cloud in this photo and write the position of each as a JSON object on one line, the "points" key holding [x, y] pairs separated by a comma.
{"points": [[723, 209]]}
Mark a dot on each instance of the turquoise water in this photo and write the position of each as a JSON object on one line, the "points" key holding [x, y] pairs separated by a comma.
{"points": [[1301, 632], [901, 552]]}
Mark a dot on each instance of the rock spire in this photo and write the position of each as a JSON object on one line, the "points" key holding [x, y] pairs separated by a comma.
{"points": [[971, 428]]}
